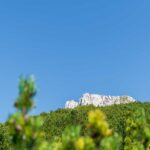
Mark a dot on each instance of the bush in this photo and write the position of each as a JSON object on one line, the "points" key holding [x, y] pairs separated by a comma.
{"points": [[4, 138]]}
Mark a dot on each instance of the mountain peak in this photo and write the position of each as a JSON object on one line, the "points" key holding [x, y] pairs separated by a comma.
{"points": [[99, 100]]}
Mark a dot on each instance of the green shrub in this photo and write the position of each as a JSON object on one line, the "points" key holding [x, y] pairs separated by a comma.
{"points": [[4, 137], [137, 132], [25, 131]]}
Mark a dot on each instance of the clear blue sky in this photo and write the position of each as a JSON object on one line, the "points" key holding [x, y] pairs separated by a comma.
{"points": [[73, 47]]}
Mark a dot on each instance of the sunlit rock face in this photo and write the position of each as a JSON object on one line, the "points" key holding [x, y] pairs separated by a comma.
{"points": [[71, 104], [99, 100]]}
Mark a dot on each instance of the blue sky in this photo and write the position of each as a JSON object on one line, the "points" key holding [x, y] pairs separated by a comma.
{"points": [[73, 47]]}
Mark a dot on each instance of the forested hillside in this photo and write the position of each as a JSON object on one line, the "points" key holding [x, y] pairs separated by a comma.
{"points": [[55, 122], [116, 127]]}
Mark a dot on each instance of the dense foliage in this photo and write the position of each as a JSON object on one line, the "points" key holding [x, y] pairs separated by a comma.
{"points": [[55, 122], [84, 128], [4, 137]]}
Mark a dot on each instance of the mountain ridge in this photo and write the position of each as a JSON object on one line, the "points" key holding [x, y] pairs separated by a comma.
{"points": [[99, 100]]}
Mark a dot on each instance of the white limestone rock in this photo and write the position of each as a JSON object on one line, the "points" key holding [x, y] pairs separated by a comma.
{"points": [[99, 100], [71, 104]]}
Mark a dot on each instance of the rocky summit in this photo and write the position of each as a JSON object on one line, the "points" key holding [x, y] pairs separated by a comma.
{"points": [[99, 100]]}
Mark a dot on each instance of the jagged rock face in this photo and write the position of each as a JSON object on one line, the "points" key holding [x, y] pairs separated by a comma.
{"points": [[71, 104], [99, 100]]}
